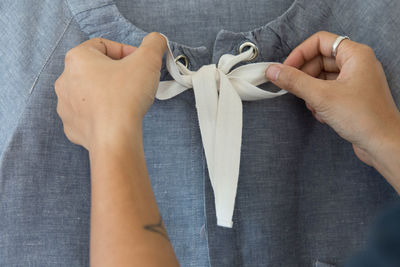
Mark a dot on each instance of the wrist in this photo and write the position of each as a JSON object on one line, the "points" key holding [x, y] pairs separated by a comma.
{"points": [[115, 136]]}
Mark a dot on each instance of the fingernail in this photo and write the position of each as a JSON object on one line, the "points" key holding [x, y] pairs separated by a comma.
{"points": [[273, 71]]}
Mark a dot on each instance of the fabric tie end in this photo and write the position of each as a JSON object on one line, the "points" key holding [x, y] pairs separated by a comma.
{"points": [[224, 223]]}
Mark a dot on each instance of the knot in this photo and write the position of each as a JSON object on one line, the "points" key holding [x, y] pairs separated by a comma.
{"points": [[218, 93]]}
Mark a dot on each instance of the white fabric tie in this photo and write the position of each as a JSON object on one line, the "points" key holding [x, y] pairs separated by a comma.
{"points": [[218, 94]]}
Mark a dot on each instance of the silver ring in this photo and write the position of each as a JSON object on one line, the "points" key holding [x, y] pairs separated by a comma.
{"points": [[185, 60], [336, 44], [249, 44]]}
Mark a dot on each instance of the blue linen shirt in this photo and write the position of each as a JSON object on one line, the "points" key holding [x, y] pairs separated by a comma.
{"points": [[303, 197]]}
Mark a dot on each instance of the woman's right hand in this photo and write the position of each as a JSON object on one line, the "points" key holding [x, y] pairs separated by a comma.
{"points": [[349, 93]]}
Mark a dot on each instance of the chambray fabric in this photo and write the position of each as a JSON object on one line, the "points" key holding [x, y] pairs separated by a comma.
{"points": [[383, 246], [303, 197]]}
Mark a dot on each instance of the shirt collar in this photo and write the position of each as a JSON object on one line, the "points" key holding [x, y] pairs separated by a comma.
{"points": [[275, 40]]}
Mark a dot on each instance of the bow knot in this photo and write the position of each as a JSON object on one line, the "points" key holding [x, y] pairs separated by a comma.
{"points": [[218, 94]]}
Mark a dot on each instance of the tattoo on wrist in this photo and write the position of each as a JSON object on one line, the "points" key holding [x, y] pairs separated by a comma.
{"points": [[157, 228]]}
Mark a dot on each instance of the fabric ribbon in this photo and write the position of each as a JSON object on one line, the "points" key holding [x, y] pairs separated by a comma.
{"points": [[218, 94]]}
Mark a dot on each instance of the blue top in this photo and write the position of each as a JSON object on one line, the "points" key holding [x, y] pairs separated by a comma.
{"points": [[303, 196], [383, 248]]}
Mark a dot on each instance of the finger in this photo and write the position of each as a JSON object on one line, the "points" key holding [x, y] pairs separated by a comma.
{"points": [[70, 134], [58, 84], [61, 107], [328, 75], [60, 87], [63, 110], [319, 43], [112, 49], [320, 64], [297, 82]]}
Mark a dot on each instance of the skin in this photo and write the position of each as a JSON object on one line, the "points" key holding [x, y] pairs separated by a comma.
{"points": [[107, 87], [103, 94], [350, 94]]}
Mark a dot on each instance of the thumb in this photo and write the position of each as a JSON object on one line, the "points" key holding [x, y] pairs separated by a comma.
{"points": [[155, 42], [150, 51], [295, 81], [153, 45]]}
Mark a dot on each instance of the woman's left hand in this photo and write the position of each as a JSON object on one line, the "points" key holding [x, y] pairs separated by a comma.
{"points": [[107, 87]]}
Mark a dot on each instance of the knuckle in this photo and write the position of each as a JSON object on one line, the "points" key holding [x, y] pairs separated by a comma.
{"points": [[96, 39], [291, 80], [365, 53], [367, 50], [70, 134], [57, 85], [59, 111], [321, 33], [67, 133], [69, 55]]}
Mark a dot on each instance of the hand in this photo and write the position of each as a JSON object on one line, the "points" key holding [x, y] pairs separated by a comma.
{"points": [[350, 93], [107, 87]]}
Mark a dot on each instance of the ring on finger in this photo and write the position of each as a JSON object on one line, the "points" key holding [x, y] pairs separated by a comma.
{"points": [[336, 44]]}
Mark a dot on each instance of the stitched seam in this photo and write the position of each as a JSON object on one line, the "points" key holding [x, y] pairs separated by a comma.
{"points": [[50, 55], [203, 169], [30, 93], [93, 8], [69, 7], [10, 137], [83, 11]]}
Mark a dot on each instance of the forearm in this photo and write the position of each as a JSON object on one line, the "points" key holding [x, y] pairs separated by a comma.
{"points": [[126, 227], [386, 157]]}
